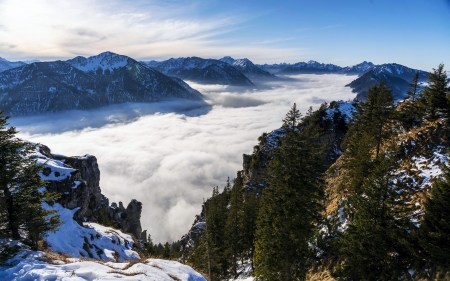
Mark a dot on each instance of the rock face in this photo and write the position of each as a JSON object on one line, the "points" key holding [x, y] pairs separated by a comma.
{"points": [[77, 180], [188, 240], [86, 83]]}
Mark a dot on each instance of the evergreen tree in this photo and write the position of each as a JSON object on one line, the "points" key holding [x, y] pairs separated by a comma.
{"points": [[210, 251], [376, 245], [166, 251], [370, 127], [233, 237], [290, 207], [250, 211], [434, 237], [410, 111], [435, 97], [292, 119], [21, 189], [149, 246], [413, 89]]}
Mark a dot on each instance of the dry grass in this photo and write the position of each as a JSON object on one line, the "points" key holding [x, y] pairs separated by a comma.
{"points": [[51, 257], [156, 266], [320, 276], [127, 273], [131, 263], [174, 277]]}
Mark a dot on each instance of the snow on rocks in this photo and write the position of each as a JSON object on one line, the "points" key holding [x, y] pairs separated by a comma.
{"points": [[90, 241], [342, 107], [54, 170]]}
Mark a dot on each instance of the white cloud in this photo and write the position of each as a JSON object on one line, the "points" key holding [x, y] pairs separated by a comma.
{"points": [[48, 29], [171, 161]]}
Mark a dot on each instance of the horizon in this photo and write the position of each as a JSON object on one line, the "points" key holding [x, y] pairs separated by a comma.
{"points": [[306, 61], [262, 31]]}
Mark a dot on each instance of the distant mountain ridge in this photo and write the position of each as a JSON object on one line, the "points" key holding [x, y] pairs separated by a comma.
{"points": [[205, 71], [314, 67], [248, 68], [85, 83], [5, 64], [396, 76]]}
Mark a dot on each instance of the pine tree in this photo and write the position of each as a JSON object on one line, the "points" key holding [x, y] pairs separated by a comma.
{"points": [[370, 127], [435, 97], [213, 238], [232, 226], [413, 89], [22, 189], [434, 231], [376, 245], [410, 111], [292, 119], [290, 207], [250, 211], [166, 251]]}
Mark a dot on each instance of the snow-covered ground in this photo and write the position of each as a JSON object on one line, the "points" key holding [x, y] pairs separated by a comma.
{"points": [[91, 241], [31, 266], [89, 252]]}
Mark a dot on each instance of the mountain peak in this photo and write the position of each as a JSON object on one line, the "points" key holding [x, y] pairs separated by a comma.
{"points": [[105, 61]]}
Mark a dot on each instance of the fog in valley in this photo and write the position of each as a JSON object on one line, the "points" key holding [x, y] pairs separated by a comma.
{"points": [[169, 155]]}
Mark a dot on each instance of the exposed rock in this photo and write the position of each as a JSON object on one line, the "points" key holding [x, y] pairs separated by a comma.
{"points": [[129, 219], [188, 240], [77, 179]]}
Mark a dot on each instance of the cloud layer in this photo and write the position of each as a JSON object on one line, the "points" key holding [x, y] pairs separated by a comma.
{"points": [[171, 160]]}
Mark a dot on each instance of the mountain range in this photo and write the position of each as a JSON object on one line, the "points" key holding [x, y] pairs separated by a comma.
{"points": [[396, 76], [85, 83], [204, 71], [108, 78]]}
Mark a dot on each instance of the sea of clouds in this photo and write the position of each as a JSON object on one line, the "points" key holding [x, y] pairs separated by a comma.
{"points": [[169, 155]]}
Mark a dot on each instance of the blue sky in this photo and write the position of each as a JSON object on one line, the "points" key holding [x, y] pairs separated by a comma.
{"points": [[415, 33]]}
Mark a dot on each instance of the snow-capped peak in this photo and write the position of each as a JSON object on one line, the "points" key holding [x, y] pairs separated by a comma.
{"points": [[228, 60], [104, 61]]}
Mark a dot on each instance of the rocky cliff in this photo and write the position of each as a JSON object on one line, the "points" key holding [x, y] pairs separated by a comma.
{"points": [[77, 180]]}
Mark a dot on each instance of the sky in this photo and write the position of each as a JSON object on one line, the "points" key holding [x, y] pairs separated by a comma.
{"points": [[170, 155], [414, 33]]}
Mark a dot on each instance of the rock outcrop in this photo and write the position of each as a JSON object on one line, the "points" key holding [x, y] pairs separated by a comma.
{"points": [[77, 180]]}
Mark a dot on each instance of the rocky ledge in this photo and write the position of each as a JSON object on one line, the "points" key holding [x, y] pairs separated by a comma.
{"points": [[77, 180]]}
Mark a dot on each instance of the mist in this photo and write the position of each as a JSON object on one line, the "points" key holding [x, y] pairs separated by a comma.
{"points": [[169, 155]]}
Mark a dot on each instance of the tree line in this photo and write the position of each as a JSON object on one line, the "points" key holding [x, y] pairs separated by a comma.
{"points": [[280, 232], [22, 192]]}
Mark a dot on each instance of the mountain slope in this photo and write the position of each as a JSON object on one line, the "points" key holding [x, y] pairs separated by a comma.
{"points": [[205, 71], [85, 84], [311, 67], [396, 76], [5, 65], [248, 68]]}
